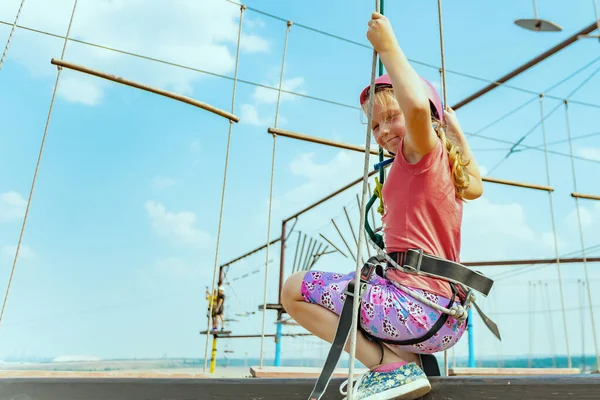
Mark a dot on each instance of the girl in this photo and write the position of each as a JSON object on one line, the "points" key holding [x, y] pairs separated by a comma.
{"points": [[423, 201]]}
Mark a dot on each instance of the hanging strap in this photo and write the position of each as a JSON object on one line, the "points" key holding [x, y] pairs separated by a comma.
{"points": [[416, 261], [339, 341]]}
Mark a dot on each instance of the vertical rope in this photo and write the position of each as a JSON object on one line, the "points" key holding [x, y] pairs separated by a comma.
{"points": [[560, 285], [535, 14], [443, 79], [531, 320], [262, 334], [547, 301], [581, 284], [10, 35], [581, 239], [212, 291], [382, 170], [597, 17], [361, 235], [37, 167], [443, 56]]}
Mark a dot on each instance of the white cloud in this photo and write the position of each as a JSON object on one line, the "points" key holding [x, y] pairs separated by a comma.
{"points": [[316, 179], [269, 96], [162, 182], [80, 90], [198, 33], [590, 152], [253, 23], [496, 231], [249, 115], [25, 252], [254, 44], [12, 206], [178, 227], [589, 214]]}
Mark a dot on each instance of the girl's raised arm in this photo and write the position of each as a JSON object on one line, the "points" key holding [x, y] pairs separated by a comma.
{"points": [[408, 86]]}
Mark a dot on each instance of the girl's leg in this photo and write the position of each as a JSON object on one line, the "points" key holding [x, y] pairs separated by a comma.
{"points": [[323, 323]]}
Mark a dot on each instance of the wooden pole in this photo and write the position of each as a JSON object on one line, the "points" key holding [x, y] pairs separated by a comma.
{"points": [[162, 92], [347, 146], [585, 196], [530, 261], [318, 140]]}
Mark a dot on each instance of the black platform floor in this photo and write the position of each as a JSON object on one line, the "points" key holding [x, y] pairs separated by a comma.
{"points": [[581, 387]]}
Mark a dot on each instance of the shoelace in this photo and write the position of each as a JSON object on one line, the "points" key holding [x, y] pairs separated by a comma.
{"points": [[355, 385]]}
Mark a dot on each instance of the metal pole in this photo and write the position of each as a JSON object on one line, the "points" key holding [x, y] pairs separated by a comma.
{"points": [[279, 314], [278, 341], [471, 340], [550, 52]]}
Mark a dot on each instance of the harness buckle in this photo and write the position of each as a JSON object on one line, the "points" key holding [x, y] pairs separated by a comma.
{"points": [[369, 267], [469, 298], [417, 268], [350, 288], [366, 272]]}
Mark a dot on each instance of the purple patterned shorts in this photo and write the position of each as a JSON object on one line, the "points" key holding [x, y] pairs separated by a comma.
{"points": [[387, 312]]}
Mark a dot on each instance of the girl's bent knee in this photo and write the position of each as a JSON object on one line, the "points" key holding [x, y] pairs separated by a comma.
{"points": [[292, 289]]}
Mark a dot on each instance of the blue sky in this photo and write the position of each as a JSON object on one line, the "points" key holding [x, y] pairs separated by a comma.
{"points": [[121, 234]]}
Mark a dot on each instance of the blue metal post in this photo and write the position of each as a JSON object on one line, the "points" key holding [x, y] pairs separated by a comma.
{"points": [[278, 345], [471, 342]]}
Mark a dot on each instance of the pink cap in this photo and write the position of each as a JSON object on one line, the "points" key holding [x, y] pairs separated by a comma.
{"points": [[432, 94]]}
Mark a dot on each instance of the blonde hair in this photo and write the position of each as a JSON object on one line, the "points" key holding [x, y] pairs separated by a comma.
{"points": [[384, 97]]}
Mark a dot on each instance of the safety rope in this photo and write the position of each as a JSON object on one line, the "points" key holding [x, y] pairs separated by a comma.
{"points": [[10, 35], [377, 240], [365, 181], [443, 57], [547, 301], [237, 59], [581, 290], [581, 239], [560, 286], [532, 315], [37, 167], [262, 335], [443, 79]]}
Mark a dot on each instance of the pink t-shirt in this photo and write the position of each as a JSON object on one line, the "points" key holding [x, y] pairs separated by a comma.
{"points": [[421, 210]]}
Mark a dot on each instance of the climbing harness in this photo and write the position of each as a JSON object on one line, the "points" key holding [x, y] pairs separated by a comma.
{"points": [[462, 280]]}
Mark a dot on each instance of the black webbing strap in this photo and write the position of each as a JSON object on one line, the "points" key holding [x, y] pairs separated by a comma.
{"points": [[429, 365], [488, 322], [339, 341], [427, 264], [415, 261]]}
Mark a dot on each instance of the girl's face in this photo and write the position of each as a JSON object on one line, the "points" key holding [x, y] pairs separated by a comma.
{"points": [[388, 125]]}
